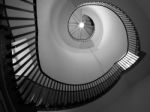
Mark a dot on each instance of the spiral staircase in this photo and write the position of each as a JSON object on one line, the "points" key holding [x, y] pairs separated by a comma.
{"points": [[28, 85]]}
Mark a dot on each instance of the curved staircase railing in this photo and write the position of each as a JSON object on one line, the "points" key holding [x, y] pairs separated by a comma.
{"points": [[33, 87]]}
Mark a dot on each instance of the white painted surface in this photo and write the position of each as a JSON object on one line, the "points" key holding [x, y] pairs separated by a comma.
{"points": [[132, 93], [72, 65]]}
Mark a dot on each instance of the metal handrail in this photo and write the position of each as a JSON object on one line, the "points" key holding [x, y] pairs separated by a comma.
{"points": [[44, 92]]}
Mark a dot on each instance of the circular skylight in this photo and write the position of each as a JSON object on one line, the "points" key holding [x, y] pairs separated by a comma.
{"points": [[81, 27]]}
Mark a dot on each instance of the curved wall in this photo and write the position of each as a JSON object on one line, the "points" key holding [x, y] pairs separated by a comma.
{"points": [[72, 65], [131, 94]]}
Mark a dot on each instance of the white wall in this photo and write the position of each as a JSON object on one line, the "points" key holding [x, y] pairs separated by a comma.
{"points": [[132, 93], [72, 65]]}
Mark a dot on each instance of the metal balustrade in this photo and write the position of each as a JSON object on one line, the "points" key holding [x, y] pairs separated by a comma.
{"points": [[39, 89]]}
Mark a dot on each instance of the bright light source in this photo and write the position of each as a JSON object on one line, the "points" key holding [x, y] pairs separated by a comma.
{"points": [[81, 25]]}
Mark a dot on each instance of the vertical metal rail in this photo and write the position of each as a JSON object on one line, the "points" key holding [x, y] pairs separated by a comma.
{"points": [[40, 91]]}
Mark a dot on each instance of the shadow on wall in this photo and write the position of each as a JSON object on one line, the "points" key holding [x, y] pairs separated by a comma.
{"points": [[135, 99], [132, 92]]}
